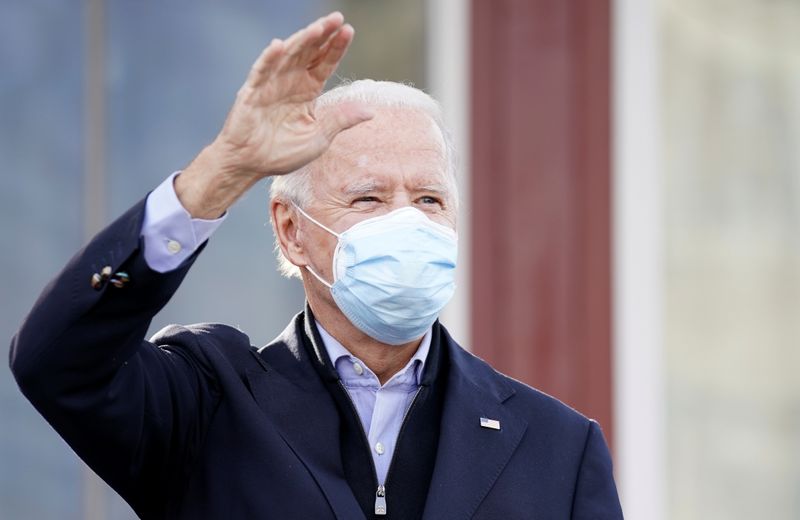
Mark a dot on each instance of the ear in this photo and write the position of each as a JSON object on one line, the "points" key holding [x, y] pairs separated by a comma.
{"points": [[284, 223]]}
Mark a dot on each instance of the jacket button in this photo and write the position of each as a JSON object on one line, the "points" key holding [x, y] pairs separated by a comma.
{"points": [[97, 282], [99, 279], [120, 279]]}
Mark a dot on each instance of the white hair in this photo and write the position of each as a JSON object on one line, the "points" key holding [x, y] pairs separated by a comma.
{"points": [[295, 187]]}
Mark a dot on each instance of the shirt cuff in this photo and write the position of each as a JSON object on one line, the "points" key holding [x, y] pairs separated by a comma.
{"points": [[169, 232]]}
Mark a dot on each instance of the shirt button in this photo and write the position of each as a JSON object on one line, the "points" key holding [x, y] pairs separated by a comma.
{"points": [[379, 449], [358, 368], [173, 246]]}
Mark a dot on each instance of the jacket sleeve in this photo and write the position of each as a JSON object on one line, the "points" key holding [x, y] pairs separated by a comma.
{"points": [[133, 411], [595, 491]]}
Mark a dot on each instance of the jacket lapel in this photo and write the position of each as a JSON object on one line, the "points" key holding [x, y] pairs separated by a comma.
{"points": [[470, 457], [290, 393]]}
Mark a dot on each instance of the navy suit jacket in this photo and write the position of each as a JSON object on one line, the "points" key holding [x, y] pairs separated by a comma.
{"points": [[196, 423]]}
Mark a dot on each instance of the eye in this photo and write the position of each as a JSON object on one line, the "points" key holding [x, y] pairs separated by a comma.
{"points": [[428, 199], [366, 199]]}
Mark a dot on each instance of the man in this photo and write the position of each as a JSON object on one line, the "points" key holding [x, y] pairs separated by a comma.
{"points": [[363, 407]]}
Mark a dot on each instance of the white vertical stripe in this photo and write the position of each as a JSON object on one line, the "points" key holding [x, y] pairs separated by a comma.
{"points": [[638, 259], [448, 61]]}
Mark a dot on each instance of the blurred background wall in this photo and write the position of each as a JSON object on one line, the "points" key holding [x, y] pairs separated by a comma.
{"points": [[629, 232], [99, 102], [730, 124]]}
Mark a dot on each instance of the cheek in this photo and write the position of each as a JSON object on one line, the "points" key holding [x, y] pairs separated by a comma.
{"points": [[319, 248], [446, 218]]}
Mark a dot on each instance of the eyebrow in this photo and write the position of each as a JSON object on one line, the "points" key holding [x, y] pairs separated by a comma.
{"points": [[363, 188], [367, 187], [440, 189]]}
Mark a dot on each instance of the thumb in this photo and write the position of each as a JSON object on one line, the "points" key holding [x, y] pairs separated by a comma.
{"points": [[343, 116]]}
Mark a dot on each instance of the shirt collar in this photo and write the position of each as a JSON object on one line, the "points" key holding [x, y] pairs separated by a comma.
{"points": [[337, 351]]}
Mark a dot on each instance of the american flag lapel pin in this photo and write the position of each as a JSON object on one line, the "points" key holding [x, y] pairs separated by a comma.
{"points": [[492, 424]]}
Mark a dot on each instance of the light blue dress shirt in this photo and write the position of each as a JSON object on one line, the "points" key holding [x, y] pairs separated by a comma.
{"points": [[169, 232], [171, 236], [381, 408]]}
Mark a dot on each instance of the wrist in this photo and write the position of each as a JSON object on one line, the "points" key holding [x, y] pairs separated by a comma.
{"points": [[211, 184]]}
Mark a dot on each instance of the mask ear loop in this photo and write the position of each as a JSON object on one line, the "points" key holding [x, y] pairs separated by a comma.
{"points": [[326, 228], [318, 277], [315, 221]]}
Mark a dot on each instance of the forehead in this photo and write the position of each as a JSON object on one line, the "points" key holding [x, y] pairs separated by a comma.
{"points": [[398, 145]]}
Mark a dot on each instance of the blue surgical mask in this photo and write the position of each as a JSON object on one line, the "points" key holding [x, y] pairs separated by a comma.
{"points": [[392, 274]]}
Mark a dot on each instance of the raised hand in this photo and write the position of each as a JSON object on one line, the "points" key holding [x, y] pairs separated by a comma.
{"points": [[272, 128]]}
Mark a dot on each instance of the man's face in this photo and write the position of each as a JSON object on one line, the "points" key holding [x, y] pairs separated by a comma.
{"points": [[395, 160]]}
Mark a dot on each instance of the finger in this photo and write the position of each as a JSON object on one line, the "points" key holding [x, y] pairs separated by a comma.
{"points": [[322, 50], [326, 63], [266, 62], [316, 46], [308, 40], [343, 116]]}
